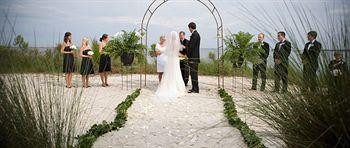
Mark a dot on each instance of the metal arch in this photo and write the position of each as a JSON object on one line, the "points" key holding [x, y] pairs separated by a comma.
{"points": [[219, 27]]}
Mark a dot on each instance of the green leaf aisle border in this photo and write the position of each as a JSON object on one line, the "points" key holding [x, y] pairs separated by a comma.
{"points": [[97, 130], [249, 135]]}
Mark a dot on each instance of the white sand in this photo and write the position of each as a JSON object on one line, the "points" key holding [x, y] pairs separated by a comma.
{"points": [[195, 120]]}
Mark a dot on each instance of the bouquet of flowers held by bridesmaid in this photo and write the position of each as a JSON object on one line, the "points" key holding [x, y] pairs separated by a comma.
{"points": [[73, 47], [90, 53]]}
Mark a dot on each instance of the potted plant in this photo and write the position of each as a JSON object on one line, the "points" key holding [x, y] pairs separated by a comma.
{"points": [[239, 47], [126, 46]]}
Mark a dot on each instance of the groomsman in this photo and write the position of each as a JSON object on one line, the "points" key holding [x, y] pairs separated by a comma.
{"points": [[280, 55], [261, 65], [309, 58], [185, 70]]}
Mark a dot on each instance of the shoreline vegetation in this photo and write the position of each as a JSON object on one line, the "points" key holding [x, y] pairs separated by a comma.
{"points": [[31, 60]]}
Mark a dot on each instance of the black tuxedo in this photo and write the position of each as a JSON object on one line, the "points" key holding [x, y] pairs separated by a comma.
{"points": [[261, 67], [185, 70], [193, 55], [281, 52], [310, 63]]}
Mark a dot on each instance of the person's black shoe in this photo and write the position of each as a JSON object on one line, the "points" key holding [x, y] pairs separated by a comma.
{"points": [[252, 88], [192, 91]]}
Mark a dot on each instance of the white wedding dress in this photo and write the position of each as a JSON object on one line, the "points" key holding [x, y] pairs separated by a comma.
{"points": [[171, 86]]}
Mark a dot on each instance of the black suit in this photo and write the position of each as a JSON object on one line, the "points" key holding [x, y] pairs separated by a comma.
{"points": [[261, 67], [310, 63], [185, 70], [193, 55], [282, 52]]}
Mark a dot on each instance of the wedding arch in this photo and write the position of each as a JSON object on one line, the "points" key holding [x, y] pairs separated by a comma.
{"points": [[152, 8]]}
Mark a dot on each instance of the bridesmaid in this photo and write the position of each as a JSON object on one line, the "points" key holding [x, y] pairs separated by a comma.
{"points": [[68, 58], [161, 58], [86, 63], [105, 60]]}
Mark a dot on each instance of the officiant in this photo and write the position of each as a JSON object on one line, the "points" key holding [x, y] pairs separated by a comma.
{"points": [[185, 70]]}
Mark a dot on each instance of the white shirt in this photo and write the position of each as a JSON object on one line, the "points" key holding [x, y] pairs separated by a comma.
{"points": [[312, 43], [281, 43], [193, 31]]}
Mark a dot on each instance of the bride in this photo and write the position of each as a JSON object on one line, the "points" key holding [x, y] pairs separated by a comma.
{"points": [[172, 85]]}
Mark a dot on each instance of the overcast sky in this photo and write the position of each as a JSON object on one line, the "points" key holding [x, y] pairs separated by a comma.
{"points": [[49, 19]]}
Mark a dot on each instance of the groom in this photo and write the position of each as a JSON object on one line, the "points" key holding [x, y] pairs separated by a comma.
{"points": [[193, 56]]}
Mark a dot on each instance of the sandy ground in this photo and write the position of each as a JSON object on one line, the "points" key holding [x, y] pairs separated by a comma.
{"points": [[194, 120]]}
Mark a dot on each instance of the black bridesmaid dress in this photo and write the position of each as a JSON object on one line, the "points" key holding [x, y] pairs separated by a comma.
{"points": [[86, 64], [68, 61], [105, 63]]}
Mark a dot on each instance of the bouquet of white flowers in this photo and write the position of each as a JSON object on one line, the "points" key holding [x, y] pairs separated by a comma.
{"points": [[73, 47], [90, 53]]}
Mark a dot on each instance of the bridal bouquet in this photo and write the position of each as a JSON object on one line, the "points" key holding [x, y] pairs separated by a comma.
{"points": [[183, 57]]}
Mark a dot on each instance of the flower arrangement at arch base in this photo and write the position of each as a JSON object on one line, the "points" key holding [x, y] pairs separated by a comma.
{"points": [[126, 46]]}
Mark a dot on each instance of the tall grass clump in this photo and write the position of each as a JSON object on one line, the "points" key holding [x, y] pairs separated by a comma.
{"points": [[35, 113], [307, 118], [36, 110]]}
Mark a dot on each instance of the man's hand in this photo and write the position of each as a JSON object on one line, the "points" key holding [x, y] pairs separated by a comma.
{"points": [[278, 61]]}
